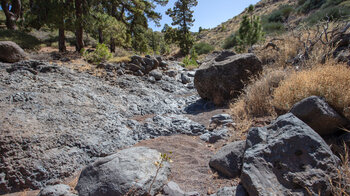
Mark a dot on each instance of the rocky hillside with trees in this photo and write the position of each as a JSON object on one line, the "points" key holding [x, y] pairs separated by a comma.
{"points": [[93, 102], [278, 17]]}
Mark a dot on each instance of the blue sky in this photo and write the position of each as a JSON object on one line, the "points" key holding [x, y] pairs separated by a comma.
{"points": [[208, 13]]}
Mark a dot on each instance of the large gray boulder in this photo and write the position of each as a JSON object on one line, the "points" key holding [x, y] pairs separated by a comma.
{"points": [[321, 117], [287, 158], [10, 52], [128, 170], [56, 190], [220, 81], [228, 160]]}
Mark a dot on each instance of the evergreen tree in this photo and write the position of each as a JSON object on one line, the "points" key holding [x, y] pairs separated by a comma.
{"points": [[170, 34], [55, 14], [249, 32], [79, 25], [182, 16]]}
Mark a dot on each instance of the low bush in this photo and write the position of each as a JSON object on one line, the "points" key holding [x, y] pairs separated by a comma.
{"points": [[230, 42], [330, 13], [273, 27], [308, 5], [330, 81], [101, 54], [203, 48], [281, 14]]}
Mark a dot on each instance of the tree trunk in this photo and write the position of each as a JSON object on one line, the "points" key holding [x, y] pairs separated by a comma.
{"points": [[79, 26], [13, 14], [61, 40], [100, 36], [112, 45]]}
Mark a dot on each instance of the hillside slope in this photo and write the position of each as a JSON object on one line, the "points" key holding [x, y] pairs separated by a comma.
{"points": [[277, 15], [217, 35]]}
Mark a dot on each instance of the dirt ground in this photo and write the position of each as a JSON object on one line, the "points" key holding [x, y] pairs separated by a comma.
{"points": [[190, 163]]}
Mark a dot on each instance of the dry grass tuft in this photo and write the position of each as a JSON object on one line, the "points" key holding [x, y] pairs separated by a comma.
{"points": [[256, 100], [330, 81], [288, 48], [123, 59], [342, 185]]}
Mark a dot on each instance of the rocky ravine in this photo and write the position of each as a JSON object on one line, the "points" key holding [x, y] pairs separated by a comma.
{"points": [[54, 120]]}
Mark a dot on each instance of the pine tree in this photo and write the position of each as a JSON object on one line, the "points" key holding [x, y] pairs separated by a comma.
{"points": [[250, 30], [55, 14], [182, 16], [249, 33]]}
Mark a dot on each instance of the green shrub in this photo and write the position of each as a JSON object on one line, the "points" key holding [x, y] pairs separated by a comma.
{"points": [[331, 13], [101, 54], [189, 62], [330, 3], [309, 5], [203, 48], [301, 2], [230, 42], [273, 27], [21, 38], [281, 14]]}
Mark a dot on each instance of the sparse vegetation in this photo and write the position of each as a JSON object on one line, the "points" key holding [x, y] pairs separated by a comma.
{"points": [[23, 39]]}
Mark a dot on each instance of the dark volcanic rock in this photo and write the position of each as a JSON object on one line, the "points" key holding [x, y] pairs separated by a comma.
{"points": [[220, 81], [229, 159], [321, 117], [129, 169], [215, 135], [10, 52], [156, 74], [286, 158], [55, 120]]}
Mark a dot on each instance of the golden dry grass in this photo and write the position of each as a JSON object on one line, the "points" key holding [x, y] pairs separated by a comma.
{"points": [[123, 59], [288, 48], [330, 81], [256, 100], [341, 187]]}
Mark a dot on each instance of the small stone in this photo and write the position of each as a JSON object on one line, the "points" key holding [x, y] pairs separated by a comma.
{"points": [[56, 190], [185, 79], [156, 74], [171, 73]]}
